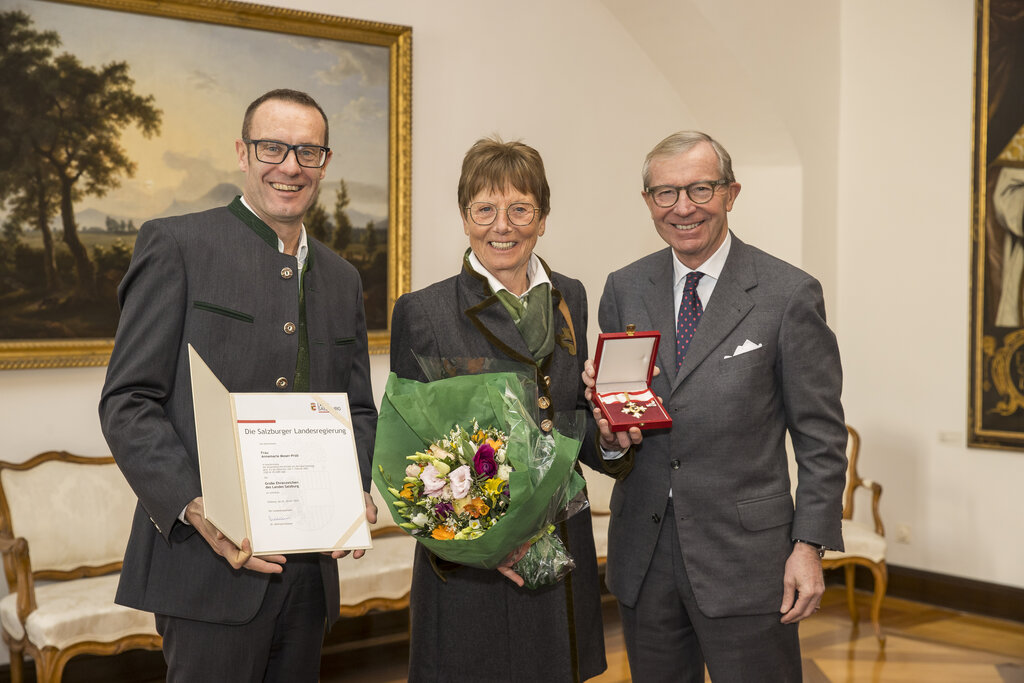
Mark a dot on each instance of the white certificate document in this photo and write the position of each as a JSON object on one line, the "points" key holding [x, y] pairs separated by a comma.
{"points": [[280, 469]]}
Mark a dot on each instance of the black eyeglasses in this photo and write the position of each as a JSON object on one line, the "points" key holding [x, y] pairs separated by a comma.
{"points": [[700, 192], [275, 152]]}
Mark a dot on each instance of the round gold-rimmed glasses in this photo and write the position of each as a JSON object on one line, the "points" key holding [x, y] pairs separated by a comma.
{"points": [[519, 214]]}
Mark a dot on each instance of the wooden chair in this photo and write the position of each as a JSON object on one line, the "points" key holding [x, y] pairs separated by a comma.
{"points": [[74, 514], [865, 543]]}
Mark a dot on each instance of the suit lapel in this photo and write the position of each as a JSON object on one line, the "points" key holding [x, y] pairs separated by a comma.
{"points": [[729, 304]]}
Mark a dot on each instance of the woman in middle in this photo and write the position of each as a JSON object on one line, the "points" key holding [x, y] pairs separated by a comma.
{"points": [[473, 624]]}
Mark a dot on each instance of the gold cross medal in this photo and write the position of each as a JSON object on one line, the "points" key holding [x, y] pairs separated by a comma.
{"points": [[633, 408]]}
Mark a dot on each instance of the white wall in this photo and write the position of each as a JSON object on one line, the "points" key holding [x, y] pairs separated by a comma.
{"points": [[849, 123], [904, 216], [50, 410], [766, 85]]}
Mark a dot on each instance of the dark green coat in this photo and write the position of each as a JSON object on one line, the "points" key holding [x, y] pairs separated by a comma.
{"points": [[476, 625]]}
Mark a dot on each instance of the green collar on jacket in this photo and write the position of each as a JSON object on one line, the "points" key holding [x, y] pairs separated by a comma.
{"points": [[262, 230]]}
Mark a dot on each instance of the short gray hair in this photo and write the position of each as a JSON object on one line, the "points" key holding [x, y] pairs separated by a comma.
{"points": [[684, 141]]}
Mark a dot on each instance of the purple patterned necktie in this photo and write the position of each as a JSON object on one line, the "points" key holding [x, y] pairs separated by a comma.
{"points": [[690, 310]]}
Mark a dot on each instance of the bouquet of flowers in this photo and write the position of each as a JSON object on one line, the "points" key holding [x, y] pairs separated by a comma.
{"points": [[455, 488], [467, 472]]}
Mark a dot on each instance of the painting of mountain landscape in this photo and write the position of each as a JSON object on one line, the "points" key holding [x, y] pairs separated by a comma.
{"points": [[112, 118]]}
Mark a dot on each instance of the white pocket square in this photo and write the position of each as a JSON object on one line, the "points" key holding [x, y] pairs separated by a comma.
{"points": [[743, 348]]}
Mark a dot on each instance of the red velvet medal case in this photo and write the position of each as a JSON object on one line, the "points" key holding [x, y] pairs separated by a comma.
{"points": [[623, 367]]}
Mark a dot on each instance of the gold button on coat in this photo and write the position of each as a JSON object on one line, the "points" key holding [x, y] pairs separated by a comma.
{"points": [[543, 402], [546, 425], [289, 328], [282, 382], [287, 273]]}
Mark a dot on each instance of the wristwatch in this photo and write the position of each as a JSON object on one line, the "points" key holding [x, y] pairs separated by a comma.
{"points": [[819, 548]]}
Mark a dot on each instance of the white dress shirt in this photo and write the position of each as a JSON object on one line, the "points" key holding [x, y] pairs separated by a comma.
{"points": [[535, 275]]}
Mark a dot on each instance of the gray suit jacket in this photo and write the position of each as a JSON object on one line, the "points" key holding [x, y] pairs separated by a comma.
{"points": [[210, 280], [724, 459]]}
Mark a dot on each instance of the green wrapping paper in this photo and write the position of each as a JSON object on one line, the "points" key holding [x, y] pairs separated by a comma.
{"points": [[415, 414]]}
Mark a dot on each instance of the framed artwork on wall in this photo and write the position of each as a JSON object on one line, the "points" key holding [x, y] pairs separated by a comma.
{"points": [[996, 388], [119, 111]]}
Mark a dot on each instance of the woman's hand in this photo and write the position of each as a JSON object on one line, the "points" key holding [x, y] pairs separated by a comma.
{"points": [[506, 565]]}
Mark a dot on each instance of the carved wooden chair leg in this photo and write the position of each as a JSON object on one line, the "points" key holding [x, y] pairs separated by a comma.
{"points": [[17, 666], [48, 668], [851, 600], [881, 573]]}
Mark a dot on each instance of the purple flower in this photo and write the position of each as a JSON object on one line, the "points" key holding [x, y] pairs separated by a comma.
{"points": [[483, 461], [443, 509]]}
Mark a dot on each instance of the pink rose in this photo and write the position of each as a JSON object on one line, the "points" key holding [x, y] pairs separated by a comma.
{"points": [[460, 481], [432, 483]]}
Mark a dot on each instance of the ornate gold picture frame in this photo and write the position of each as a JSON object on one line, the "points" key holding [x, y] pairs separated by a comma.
{"points": [[996, 392], [189, 68]]}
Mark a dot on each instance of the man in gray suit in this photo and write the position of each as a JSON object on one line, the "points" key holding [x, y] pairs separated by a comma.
{"points": [[269, 310], [709, 559]]}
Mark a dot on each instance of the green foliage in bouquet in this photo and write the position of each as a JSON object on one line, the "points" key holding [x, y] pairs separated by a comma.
{"points": [[414, 415]]}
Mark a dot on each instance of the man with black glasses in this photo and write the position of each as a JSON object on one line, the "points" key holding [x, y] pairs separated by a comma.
{"points": [[270, 310], [709, 560]]}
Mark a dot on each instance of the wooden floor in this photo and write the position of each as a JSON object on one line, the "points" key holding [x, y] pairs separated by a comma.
{"points": [[923, 644]]}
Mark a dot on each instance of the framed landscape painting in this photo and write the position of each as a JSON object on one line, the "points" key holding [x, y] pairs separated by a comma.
{"points": [[119, 111]]}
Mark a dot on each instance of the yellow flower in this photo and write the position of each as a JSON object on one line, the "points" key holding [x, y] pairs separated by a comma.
{"points": [[479, 436], [443, 533], [494, 485], [409, 491], [496, 444]]}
